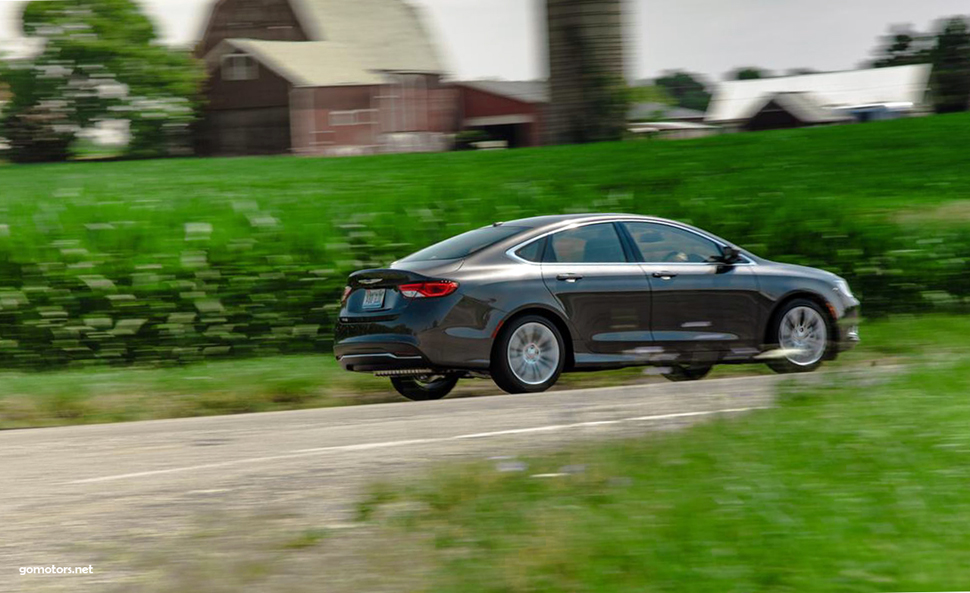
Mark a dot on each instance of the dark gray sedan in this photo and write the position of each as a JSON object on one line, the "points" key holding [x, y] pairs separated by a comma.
{"points": [[524, 301]]}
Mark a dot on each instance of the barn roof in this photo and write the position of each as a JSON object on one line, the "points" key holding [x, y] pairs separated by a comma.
{"points": [[303, 63], [527, 91], [736, 100], [390, 34], [803, 106]]}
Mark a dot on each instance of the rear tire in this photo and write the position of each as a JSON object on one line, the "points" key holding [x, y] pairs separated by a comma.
{"points": [[801, 333], [688, 373], [423, 391], [529, 355]]}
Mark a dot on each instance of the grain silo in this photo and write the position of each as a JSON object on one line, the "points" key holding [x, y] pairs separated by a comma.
{"points": [[586, 71]]}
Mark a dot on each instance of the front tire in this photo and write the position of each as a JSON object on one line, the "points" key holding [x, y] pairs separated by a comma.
{"points": [[529, 356], [423, 391], [801, 336]]}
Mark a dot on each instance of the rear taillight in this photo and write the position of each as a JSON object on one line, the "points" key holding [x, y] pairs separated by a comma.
{"points": [[428, 290], [347, 291]]}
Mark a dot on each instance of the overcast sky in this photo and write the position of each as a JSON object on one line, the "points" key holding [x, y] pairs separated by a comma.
{"points": [[505, 38]]}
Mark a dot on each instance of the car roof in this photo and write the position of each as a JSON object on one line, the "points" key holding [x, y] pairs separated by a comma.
{"points": [[551, 221], [540, 225]]}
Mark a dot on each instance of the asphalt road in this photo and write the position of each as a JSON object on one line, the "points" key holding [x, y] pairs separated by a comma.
{"points": [[82, 495]]}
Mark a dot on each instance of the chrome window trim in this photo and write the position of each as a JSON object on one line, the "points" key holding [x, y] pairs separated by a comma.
{"points": [[512, 255]]}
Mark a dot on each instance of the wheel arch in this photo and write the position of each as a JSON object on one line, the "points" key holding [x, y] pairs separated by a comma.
{"points": [[772, 319], [550, 314]]}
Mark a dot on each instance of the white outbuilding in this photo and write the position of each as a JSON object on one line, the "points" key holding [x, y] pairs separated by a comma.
{"points": [[855, 95]]}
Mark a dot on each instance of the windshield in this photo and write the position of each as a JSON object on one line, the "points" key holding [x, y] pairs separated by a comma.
{"points": [[465, 244]]}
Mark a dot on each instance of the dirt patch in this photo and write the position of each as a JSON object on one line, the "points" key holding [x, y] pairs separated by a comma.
{"points": [[957, 212]]}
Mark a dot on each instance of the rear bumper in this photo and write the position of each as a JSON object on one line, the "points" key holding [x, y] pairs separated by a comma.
{"points": [[451, 333], [382, 361], [366, 355]]}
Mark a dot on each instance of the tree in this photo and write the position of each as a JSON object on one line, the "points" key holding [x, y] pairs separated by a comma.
{"points": [[951, 66], [749, 73], [801, 71], [100, 60], [948, 51], [686, 89], [644, 91], [903, 46]]}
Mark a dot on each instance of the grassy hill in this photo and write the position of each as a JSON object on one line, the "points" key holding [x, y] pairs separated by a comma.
{"points": [[182, 259]]}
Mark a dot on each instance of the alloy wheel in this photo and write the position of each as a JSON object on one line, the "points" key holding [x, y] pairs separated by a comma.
{"points": [[802, 335], [533, 353]]}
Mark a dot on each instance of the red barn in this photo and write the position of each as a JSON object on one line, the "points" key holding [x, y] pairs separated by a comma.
{"points": [[509, 111], [329, 77]]}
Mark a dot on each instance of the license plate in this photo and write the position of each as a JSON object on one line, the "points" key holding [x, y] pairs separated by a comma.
{"points": [[374, 299]]}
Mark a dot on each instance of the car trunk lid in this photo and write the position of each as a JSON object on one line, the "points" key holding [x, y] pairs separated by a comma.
{"points": [[374, 293]]}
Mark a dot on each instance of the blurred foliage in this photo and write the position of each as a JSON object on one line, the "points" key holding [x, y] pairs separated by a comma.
{"points": [[100, 60], [610, 100], [647, 92], [951, 66], [749, 73], [903, 46], [38, 134], [948, 50], [686, 89], [181, 260]]}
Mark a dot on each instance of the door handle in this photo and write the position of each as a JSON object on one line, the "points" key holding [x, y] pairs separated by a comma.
{"points": [[569, 277], [664, 275]]}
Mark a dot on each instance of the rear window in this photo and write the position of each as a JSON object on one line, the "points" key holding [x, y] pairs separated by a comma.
{"points": [[465, 244], [533, 251]]}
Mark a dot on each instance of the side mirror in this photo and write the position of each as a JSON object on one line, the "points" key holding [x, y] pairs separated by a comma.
{"points": [[730, 254]]}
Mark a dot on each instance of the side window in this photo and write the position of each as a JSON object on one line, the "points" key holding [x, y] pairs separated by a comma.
{"points": [[532, 252], [660, 243], [590, 244]]}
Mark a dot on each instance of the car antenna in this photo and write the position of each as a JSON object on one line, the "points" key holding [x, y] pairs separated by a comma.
{"points": [[497, 223]]}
